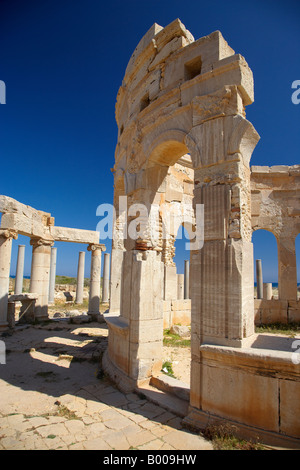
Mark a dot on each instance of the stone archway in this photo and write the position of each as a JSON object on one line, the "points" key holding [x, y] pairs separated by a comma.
{"points": [[163, 113]]}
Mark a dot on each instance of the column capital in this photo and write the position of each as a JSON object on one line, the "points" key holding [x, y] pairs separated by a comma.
{"points": [[8, 233], [96, 246], [41, 242]]}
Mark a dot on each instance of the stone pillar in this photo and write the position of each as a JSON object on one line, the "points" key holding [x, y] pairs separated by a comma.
{"points": [[259, 279], [117, 256], [20, 270], [268, 291], [52, 274], [287, 269], [222, 271], [6, 237], [95, 280], [80, 278], [180, 286], [105, 289], [186, 279], [170, 283], [40, 273]]}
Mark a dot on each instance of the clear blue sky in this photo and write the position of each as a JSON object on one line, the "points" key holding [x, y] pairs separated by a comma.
{"points": [[63, 62]]}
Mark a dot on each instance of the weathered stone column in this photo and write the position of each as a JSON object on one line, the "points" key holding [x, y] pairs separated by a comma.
{"points": [[180, 286], [6, 237], [80, 278], [40, 272], [170, 283], [52, 274], [105, 289], [95, 280], [20, 270], [287, 269], [259, 279], [186, 279]]}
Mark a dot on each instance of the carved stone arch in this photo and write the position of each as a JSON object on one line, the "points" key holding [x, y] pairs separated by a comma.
{"points": [[168, 147]]}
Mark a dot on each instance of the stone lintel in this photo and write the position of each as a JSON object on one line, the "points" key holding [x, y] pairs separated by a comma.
{"points": [[73, 235]]}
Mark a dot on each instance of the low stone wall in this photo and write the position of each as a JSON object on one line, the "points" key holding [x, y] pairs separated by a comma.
{"points": [[177, 312], [276, 311], [254, 386]]}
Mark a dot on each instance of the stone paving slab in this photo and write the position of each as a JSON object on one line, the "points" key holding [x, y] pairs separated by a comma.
{"points": [[53, 397]]}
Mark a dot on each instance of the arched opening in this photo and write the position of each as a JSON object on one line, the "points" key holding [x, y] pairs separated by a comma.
{"points": [[177, 337], [265, 250]]}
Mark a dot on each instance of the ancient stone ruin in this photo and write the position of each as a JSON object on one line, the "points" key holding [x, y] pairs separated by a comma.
{"points": [[184, 140], [18, 218]]}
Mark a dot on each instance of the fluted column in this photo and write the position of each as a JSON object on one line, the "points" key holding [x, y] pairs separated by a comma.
{"points": [[6, 237], [40, 271], [95, 280]]}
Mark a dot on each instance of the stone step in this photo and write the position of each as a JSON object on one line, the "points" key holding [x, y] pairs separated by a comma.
{"points": [[174, 386], [164, 399]]}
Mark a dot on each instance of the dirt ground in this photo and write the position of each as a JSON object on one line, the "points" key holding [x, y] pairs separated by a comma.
{"points": [[181, 361]]}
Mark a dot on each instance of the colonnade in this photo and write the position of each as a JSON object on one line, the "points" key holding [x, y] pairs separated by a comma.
{"points": [[43, 273]]}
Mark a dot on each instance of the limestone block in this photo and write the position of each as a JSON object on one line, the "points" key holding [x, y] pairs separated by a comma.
{"points": [[10, 205], [279, 170], [146, 330], [181, 304], [118, 346], [170, 283], [180, 330], [206, 48], [238, 396], [232, 70], [16, 221], [145, 48], [289, 408], [294, 311], [182, 317], [167, 50], [272, 311], [74, 235], [141, 275], [149, 87], [173, 30], [145, 360], [260, 170], [226, 101]]}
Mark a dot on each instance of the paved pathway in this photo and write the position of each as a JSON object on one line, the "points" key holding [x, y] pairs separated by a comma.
{"points": [[54, 396]]}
